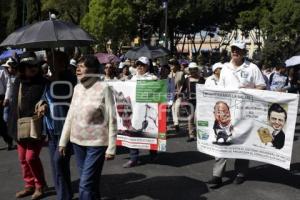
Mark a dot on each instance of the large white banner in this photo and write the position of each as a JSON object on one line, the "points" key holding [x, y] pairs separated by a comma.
{"points": [[248, 124]]}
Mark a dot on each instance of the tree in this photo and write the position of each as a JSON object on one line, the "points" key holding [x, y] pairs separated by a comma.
{"points": [[33, 11], [109, 20], [15, 16], [68, 10], [4, 10]]}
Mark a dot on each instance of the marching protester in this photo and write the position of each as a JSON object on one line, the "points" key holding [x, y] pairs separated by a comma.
{"points": [[5, 97], [91, 126], [28, 90], [56, 97], [278, 80], [177, 77], [11, 67], [142, 66], [110, 72], [213, 80], [238, 73], [125, 73], [189, 92]]}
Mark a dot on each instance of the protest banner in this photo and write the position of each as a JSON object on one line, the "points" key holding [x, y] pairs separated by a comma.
{"points": [[247, 124], [141, 113]]}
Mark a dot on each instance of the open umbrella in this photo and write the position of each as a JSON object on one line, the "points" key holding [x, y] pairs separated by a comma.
{"points": [[295, 60], [150, 52], [107, 58], [48, 34]]}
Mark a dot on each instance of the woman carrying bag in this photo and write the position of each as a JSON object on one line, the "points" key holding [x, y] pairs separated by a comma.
{"points": [[25, 124]]}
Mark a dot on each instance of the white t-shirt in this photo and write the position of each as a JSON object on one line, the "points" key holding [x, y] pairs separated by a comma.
{"points": [[278, 81], [146, 76], [211, 81], [247, 75]]}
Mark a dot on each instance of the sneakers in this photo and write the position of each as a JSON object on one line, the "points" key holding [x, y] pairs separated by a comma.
{"points": [[239, 180], [26, 192], [215, 182], [130, 164], [191, 139]]}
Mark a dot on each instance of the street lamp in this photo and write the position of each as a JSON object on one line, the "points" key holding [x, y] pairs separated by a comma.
{"points": [[165, 7]]}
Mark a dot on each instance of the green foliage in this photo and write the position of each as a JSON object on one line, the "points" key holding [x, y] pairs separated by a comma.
{"points": [[15, 16], [68, 10], [109, 20], [33, 11]]}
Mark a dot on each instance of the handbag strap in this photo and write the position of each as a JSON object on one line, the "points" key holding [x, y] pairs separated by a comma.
{"points": [[19, 100]]}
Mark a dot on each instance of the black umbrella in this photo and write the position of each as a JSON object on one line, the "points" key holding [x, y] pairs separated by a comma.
{"points": [[48, 34], [150, 52]]}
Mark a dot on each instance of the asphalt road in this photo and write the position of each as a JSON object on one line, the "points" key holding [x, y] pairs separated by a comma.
{"points": [[179, 173]]}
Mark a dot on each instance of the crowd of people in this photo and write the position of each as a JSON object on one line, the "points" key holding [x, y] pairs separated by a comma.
{"points": [[34, 91]]}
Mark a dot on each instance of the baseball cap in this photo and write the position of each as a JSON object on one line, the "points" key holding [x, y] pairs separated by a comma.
{"points": [[240, 45], [216, 66], [143, 60], [29, 58], [193, 65]]}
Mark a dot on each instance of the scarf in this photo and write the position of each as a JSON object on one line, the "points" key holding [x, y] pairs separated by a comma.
{"points": [[88, 82]]}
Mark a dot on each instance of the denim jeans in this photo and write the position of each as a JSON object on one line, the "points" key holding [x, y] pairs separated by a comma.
{"points": [[90, 161], [60, 169]]}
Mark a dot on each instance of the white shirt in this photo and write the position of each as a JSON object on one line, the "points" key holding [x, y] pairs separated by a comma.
{"points": [[247, 75], [212, 81], [5, 84], [279, 81], [146, 76]]}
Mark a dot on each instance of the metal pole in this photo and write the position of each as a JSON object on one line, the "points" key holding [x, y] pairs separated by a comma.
{"points": [[165, 5], [23, 13]]}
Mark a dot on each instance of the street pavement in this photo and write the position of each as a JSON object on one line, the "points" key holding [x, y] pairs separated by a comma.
{"points": [[179, 173]]}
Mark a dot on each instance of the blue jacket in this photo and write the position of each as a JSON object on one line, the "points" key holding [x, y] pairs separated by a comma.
{"points": [[58, 95]]}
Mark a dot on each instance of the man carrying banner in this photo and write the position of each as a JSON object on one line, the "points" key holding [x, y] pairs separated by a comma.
{"points": [[238, 73], [142, 66]]}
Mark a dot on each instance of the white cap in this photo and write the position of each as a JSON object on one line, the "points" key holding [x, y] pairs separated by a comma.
{"points": [[121, 65], [73, 62], [193, 65], [240, 45], [143, 60], [216, 66], [7, 63]]}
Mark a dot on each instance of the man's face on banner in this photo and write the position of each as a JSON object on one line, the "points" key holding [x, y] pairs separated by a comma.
{"points": [[277, 120], [222, 114]]}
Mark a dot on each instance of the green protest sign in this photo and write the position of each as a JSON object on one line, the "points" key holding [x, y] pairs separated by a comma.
{"points": [[148, 91]]}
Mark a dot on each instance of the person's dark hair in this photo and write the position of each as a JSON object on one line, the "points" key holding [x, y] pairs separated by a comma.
{"points": [[174, 62], [91, 62], [275, 107]]}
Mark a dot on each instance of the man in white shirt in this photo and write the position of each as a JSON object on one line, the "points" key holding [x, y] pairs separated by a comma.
{"points": [[5, 93], [142, 73], [238, 73], [278, 80]]}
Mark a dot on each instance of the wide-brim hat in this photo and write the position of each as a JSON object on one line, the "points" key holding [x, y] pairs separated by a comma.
{"points": [[29, 58]]}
